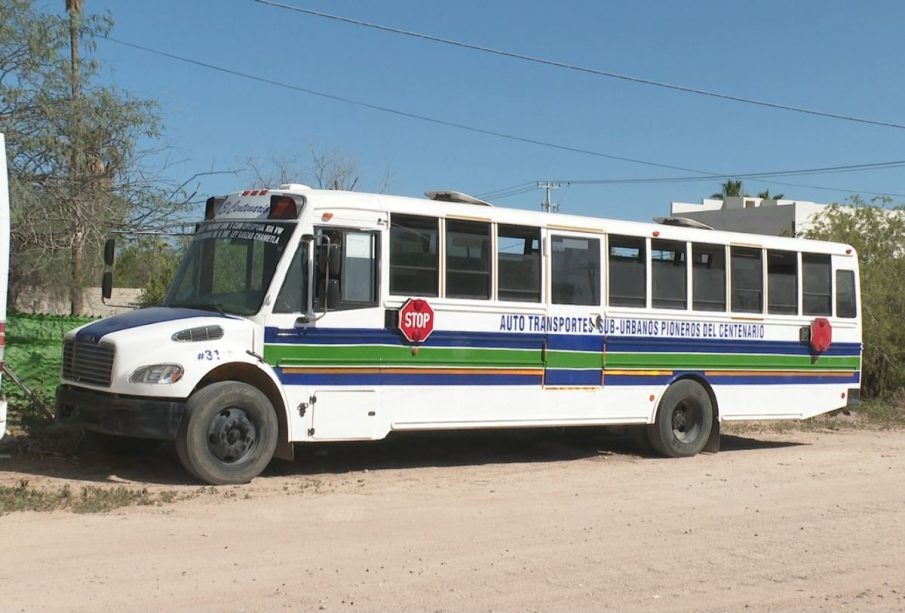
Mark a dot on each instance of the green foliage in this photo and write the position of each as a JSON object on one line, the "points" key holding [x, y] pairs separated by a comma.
{"points": [[34, 351], [76, 171], [150, 263], [878, 235], [89, 499], [729, 189]]}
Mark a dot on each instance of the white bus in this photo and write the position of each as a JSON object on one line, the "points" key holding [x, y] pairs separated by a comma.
{"points": [[301, 315], [4, 267]]}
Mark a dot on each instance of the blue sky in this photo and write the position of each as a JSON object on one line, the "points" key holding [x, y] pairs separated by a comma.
{"points": [[830, 55]]}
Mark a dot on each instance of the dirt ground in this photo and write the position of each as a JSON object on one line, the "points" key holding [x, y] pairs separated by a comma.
{"points": [[511, 521]]}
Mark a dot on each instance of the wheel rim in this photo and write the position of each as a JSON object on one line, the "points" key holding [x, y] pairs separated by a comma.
{"points": [[686, 423], [232, 435]]}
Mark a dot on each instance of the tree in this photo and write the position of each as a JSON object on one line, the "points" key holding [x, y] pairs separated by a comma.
{"points": [[729, 189], [766, 195], [878, 235], [75, 170], [328, 169]]}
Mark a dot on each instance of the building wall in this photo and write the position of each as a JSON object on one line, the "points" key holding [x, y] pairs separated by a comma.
{"points": [[755, 215]]}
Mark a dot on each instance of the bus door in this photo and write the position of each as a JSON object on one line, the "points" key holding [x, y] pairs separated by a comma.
{"points": [[329, 347], [575, 343]]}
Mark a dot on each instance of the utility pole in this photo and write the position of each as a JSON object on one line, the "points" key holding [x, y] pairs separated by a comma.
{"points": [[547, 205], [74, 7]]}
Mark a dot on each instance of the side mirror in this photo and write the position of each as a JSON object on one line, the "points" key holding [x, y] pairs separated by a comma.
{"points": [[107, 285], [109, 252], [334, 257]]}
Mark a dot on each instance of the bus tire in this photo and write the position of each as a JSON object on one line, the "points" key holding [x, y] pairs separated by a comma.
{"points": [[228, 433], [684, 420]]}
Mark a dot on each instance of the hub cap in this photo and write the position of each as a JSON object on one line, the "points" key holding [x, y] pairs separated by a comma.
{"points": [[232, 435]]}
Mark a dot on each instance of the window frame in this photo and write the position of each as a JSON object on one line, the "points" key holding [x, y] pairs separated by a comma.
{"points": [[770, 276], [538, 298], [710, 248], [487, 257], [741, 249], [643, 256], [596, 298], [682, 265], [829, 296], [345, 305], [438, 264]]}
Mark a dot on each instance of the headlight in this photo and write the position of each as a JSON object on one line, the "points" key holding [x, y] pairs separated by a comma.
{"points": [[157, 373]]}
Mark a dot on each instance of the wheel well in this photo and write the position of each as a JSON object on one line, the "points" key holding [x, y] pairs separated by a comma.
{"points": [[706, 385], [713, 443], [250, 375]]}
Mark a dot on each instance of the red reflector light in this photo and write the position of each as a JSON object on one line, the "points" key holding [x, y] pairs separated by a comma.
{"points": [[282, 207]]}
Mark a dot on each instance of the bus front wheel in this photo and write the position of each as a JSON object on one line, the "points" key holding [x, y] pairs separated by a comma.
{"points": [[228, 433], [684, 420]]}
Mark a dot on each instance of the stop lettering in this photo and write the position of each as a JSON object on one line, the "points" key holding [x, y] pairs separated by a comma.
{"points": [[416, 320]]}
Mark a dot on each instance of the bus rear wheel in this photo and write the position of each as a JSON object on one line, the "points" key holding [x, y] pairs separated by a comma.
{"points": [[684, 420], [228, 433]]}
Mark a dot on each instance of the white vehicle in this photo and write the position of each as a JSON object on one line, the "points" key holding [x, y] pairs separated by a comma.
{"points": [[301, 315], [4, 266]]}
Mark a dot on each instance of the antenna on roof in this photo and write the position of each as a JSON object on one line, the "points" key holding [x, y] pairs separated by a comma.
{"points": [[453, 196], [683, 222]]}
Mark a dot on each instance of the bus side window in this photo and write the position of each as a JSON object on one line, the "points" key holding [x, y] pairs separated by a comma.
{"points": [[708, 277], [747, 280], [467, 259], [414, 256], [845, 294], [669, 281], [627, 269], [816, 281], [345, 269], [293, 296], [518, 263], [782, 282], [575, 270]]}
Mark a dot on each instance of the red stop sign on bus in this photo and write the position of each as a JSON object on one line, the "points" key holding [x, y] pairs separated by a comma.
{"points": [[416, 320]]}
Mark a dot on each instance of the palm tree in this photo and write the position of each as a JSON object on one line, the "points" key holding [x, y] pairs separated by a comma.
{"points": [[730, 189], [766, 195]]}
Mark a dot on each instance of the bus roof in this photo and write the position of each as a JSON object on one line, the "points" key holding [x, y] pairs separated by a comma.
{"points": [[318, 199]]}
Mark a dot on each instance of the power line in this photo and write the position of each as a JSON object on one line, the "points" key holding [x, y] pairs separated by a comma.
{"points": [[584, 69], [507, 192], [397, 112], [744, 175], [753, 176]]}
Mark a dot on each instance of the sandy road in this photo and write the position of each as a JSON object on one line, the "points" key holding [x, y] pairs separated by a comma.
{"points": [[513, 522]]}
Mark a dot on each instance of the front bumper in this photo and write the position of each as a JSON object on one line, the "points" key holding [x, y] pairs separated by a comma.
{"points": [[138, 416]]}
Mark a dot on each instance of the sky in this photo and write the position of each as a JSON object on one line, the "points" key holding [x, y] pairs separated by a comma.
{"points": [[833, 56]]}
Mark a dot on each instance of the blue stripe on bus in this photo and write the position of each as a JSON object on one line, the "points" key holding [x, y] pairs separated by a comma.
{"points": [[623, 344], [570, 376], [557, 342], [779, 379], [95, 331]]}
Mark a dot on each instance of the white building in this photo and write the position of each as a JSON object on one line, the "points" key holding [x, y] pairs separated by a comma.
{"points": [[749, 214]]}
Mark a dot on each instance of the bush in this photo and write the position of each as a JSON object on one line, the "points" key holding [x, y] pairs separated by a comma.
{"points": [[34, 351], [878, 234]]}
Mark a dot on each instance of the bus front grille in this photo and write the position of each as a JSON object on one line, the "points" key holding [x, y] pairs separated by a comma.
{"points": [[87, 363]]}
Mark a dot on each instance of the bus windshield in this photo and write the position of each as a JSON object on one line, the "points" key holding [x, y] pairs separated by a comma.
{"points": [[229, 266]]}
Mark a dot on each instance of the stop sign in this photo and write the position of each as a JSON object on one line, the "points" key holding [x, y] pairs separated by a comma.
{"points": [[416, 320]]}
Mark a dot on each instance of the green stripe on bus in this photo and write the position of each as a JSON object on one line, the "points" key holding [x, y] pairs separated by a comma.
{"points": [[365, 355], [723, 361], [374, 355]]}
